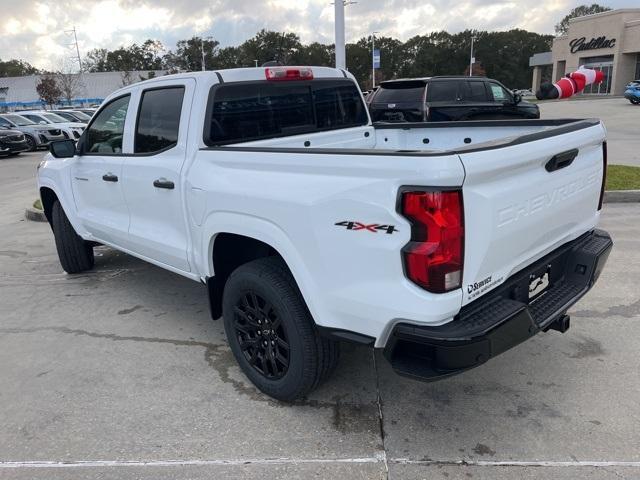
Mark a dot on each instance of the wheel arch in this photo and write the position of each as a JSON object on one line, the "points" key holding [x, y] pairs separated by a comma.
{"points": [[48, 197], [239, 239]]}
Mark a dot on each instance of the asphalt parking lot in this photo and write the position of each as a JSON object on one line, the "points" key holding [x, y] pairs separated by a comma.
{"points": [[121, 373], [619, 116]]}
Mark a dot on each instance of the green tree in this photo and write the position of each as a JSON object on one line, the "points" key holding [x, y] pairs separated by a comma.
{"points": [[188, 54], [147, 56], [48, 90], [581, 11], [268, 46], [16, 68]]}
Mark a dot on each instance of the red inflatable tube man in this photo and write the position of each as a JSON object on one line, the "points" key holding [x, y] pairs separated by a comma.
{"points": [[569, 85]]}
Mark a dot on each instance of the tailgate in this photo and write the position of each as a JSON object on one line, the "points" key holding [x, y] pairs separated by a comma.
{"points": [[516, 211]]}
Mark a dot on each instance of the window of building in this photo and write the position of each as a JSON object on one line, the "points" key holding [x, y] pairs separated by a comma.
{"points": [[158, 119], [104, 135], [252, 111], [637, 76]]}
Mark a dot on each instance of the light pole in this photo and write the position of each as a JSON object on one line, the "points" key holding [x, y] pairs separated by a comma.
{"points": [[202, 39], [471, 62], [341, 56], [202, 45], [373, 60]]}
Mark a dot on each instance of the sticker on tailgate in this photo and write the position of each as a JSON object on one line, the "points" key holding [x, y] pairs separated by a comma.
{"points": [[478, 288]]}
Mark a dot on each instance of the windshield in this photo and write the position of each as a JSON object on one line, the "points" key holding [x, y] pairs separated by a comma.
{"points": [[80, 115], [53, 118], [18, 120], [66, 115]]}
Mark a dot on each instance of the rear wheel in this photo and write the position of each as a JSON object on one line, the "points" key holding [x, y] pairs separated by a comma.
{"points": [[74, 253], [271, 332], [635, 101]]}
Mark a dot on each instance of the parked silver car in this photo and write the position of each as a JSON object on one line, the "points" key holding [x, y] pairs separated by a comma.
{"points": [[71, 130], [36, 136], [72, 115]]}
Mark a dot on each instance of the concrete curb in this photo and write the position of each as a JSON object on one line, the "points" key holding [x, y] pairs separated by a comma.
{"points": [[621, 196], [34, 215]]}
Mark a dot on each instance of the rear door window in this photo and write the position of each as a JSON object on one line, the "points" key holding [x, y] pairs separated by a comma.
{"points": [[158, 119], [248, 111], [475, 92], [443, 91]]}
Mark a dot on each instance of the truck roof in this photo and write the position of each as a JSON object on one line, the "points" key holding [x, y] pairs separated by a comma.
{"points": [[251, 73]]}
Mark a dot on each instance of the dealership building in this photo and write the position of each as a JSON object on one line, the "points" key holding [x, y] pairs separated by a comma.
{"points": [[608, 41]]}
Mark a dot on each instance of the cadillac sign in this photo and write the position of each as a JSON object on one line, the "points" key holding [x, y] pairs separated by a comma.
{"points": [[580, 44]]}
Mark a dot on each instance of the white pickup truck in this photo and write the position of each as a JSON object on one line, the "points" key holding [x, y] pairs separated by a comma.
{"points": [[444, 244]]}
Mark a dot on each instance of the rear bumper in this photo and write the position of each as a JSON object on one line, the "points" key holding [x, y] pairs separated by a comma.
{"points": [[504, 317]]}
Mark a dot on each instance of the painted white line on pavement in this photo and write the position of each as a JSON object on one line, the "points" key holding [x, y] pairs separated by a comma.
{"points": [[301, 461], [181, 463], [516, 463]]}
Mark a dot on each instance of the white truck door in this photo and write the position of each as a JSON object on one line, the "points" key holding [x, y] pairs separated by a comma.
{"points": [[152, 182], [96, 175]]}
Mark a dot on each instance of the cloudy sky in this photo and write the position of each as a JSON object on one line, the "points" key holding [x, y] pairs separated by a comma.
{"points": [[34, 30]]}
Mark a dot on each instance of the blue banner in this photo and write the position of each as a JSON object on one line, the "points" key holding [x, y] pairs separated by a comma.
{"points": [[376, 58]]}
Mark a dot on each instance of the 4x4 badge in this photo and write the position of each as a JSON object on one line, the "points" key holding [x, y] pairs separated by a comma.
{"points": [[372, 227]]}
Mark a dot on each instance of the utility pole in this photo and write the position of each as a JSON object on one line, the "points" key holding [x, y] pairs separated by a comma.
{"points": [[471, 59], [373, 60], [75, 44]]}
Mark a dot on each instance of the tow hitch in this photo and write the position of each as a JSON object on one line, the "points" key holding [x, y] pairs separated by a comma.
{"points": [[562, 324]]}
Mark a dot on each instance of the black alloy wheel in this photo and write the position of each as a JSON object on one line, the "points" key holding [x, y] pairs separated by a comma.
{"points": [[261, 336]]}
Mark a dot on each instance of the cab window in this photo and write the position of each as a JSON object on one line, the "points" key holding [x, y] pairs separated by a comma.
{"points": [[259, 110], [104, 135]]}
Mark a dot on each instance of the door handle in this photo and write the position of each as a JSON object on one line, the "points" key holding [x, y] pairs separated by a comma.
{"points": [[163, 183], [110, 177]]}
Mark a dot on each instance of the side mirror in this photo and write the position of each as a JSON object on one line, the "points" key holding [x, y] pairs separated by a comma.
{"points": [[63, 148], [42, 122], [517, 98]]}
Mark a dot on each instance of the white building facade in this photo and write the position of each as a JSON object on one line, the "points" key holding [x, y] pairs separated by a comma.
{"points": [[19, 93]]}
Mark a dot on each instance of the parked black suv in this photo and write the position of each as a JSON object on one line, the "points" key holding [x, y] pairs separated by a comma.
{"points": [[438, 99]]}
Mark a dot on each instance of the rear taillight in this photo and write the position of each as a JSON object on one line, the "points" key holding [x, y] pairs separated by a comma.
{"points": [[288, 73], [434, 257], [604, 174]]}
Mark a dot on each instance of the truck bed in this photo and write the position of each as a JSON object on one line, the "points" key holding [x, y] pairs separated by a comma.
{"points": [[425, 138]]}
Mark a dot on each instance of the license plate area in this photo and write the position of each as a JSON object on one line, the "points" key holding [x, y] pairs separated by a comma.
{"points": [[538, 283]]}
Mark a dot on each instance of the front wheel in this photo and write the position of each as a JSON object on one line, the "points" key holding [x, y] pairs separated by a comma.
{"points": [[271, 332], [635, 101], [75, 254], [31, 142]]}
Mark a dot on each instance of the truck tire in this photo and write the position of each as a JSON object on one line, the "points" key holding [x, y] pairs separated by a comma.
{"points": [[74, 253], [271, 332]]}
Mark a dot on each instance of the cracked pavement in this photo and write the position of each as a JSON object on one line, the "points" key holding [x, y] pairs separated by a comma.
{"points": [[123, 367]]}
